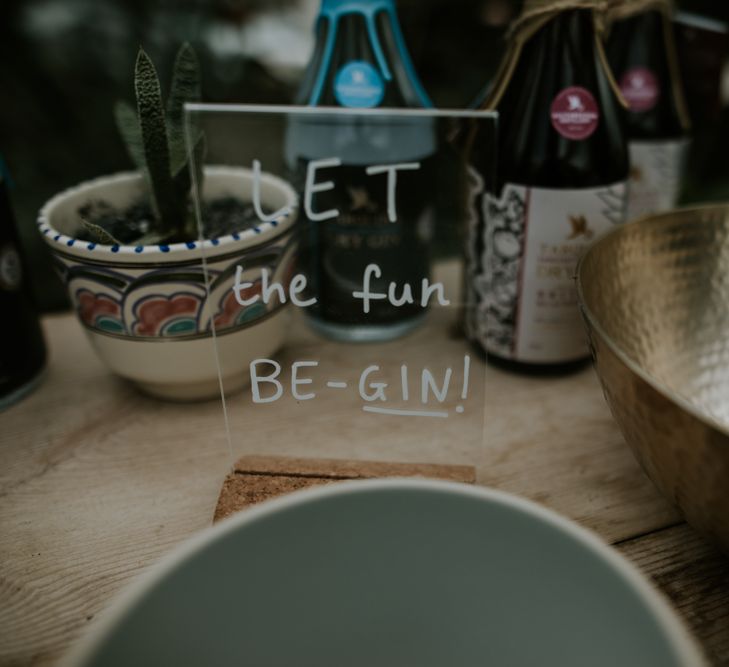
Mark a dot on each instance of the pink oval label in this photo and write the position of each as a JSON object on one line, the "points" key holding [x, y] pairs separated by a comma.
{"points": [[640, 89], [574, 113]]}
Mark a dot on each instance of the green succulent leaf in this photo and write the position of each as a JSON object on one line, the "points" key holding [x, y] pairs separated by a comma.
{"points": [[98, 234], [182, 175], [184, 183], [153, 238], [199, 155], [185, 88], [154, 135], [128, 125], [200, 151]]}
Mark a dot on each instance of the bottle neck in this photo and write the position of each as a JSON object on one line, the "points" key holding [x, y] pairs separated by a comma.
{"points": [[542, 36], [561, 122], [334, 7], [619, 10], [538, 13], [645, 40], [374, 14], [332, 11]]}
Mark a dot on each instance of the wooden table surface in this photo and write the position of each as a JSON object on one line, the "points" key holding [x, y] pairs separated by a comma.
{"points": [[97, 482]]}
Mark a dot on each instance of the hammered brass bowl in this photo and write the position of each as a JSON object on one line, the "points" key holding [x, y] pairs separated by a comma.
{"points": [[655, 298]]}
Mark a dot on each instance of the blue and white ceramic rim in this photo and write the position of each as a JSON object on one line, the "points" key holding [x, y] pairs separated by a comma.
{"points": [[128, 187], [681, 641]]}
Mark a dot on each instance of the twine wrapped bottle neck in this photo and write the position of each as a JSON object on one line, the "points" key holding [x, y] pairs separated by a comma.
{"points": [[624, 9], [536, 14]]}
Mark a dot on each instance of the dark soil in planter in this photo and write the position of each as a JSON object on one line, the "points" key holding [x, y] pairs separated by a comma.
{"points": [[221, 217]]}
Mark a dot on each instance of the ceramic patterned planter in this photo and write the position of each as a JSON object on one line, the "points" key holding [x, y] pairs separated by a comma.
{"points": [[147, 309]]}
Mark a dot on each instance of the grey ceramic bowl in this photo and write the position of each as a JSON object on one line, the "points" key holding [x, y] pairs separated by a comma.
{"points": [[392, 574]]}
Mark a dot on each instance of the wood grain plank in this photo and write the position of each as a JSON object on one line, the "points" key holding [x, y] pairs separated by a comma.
{"points": [[552, 440], [95, 485], [98, 481], [695, 576]]}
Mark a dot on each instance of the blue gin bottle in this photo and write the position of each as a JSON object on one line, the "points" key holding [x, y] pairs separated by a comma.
{"points": [[360, 61]]}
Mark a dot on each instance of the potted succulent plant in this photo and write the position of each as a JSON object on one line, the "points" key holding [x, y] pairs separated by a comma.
{"points": [[129, 251]]}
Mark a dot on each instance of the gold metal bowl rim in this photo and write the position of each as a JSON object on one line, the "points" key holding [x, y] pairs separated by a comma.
{"points": [[628, 361]]}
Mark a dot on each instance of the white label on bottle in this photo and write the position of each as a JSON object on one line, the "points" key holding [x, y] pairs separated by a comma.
{"points": [[534, 238], [474, 277], [656, 170]]}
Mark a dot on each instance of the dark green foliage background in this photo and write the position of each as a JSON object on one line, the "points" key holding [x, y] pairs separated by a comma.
{"points": [[63, 64]]}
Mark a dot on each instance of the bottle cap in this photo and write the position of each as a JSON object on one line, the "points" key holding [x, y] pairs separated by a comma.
{"points": [[535, 15], [557, 5], [538, 12], [622, 9], [332, 11], [359, 6]]}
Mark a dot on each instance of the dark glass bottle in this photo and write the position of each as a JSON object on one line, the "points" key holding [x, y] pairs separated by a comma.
{"points": [[366, 33], [360, 61], [561, 182], [22, 351], [643, 57]]}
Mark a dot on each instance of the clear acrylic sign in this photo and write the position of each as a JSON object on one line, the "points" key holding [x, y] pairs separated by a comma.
{"points": [[338, 313]]}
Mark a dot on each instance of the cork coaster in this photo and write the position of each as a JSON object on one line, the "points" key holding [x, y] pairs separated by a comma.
{"points": [[258, 478]]}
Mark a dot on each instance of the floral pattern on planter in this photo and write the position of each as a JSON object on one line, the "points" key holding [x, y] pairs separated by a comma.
{"points": [[169, 301], [99, 311], [167, 316], [232, 314]]}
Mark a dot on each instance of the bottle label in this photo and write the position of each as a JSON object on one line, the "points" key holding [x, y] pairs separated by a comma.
{"points": [[640, 88], [359, 85], [574, 113], [474, 275], [533, 238], [337, 251], [656, 170]]}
